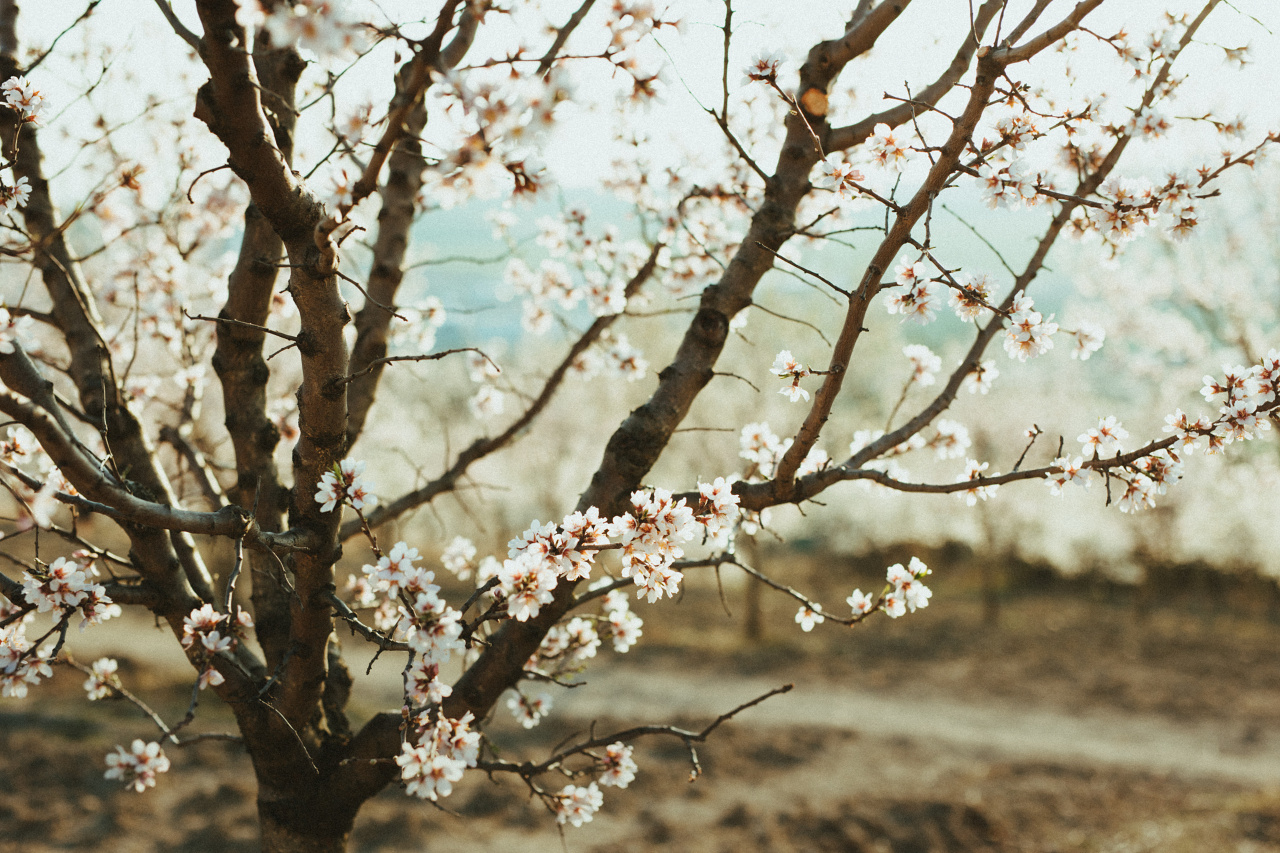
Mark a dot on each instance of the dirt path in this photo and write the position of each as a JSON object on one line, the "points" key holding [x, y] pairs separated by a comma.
{"points": [[629, 694], [1211, 749]]}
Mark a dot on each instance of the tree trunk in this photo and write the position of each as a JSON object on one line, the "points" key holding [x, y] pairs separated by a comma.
{"points": [[291, 825]]}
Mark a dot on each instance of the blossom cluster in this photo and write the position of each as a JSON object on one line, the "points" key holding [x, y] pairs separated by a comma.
{"points": [[207, 632], [786, 367], [973, 473], [64, 585], [1130, 205], [916, 299], [1009, 185], [905, 592], [345, 484], [138, 766], [648, 537], [1029, 333], [416, 333], [886, 147], [437, 755], [1247, 394], [611, 355], [763, 68], [839, 176], [103, 682], [415, 612], [320, 26], [620, 623], [22, 96], [20, 665], [578, 804]]}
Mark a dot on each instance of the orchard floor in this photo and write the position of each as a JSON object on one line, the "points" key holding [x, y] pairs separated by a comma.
{"points": [[1076, 723]]}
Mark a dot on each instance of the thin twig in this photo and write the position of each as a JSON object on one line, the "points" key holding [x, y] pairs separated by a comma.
{"points": [[230, 322], [819, 277], [378, 362]]}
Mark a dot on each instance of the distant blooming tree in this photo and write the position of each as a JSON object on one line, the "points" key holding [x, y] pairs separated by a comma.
{"points": [[181, 275]]}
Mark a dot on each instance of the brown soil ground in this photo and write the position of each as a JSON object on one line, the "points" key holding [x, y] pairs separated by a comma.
{"points": [[1086, 718]]}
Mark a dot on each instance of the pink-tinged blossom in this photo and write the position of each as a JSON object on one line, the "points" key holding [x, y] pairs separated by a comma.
{"points": [[924, 364], [427, 774], [451, 738], [894, 604], [618, 766], [861, 602], [431, 629], [787, 367], [760, 446], [578, 805], [529, 710], [199, 622], [14, 198], [137, 767], [658, 581], [914, 302], [886, 148], [345, 484], [971, 299], [213, 642], [1235, 383], [981, 378], [422, 684], [1107, 438], [649, 537], [806, 618], [763, 69], [1139, 493], [328, 492], [342, 187], [622, 626], [21, 95], [625, 360], [566, 648], [718, 507], [209, 677], [973, 471], [20, 667], [1149, 123], [103, 681], [1241, 419], [62, 585], [1163, 468], [488, 402], [320, 26], [1029, 334], [395, 571], [527, 583], [1189, 433], [911, 273], [814, 461], [1008, 186], [1089, 338], [459, 557], [839, 176], [1072, 472], [952, 440], [908, 589], [558, 547]]}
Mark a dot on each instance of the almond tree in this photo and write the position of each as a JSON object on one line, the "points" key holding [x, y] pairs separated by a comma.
{"points": [[89, 439]]}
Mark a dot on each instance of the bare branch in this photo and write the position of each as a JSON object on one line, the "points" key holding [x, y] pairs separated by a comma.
{"points": [[180, 28]]}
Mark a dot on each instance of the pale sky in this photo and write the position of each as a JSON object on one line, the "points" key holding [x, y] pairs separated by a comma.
{"points": [[911, 51]]}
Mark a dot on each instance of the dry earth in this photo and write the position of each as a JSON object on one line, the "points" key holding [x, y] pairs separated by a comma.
{"points": [[1077, 723]]}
